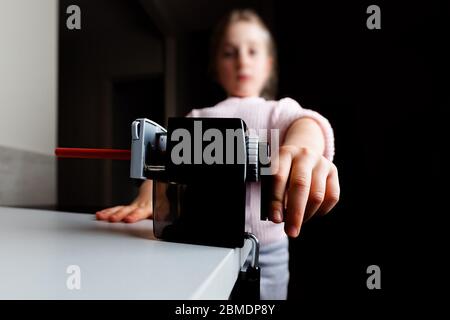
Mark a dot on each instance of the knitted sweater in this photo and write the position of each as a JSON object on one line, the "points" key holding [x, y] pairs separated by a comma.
{"points": [[259, 113]]}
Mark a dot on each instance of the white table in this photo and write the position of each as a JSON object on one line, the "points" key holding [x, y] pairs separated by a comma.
{"points": [[115, 260]]}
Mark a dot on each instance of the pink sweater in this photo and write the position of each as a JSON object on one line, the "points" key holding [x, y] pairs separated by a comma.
{"points": [[259, 113]]}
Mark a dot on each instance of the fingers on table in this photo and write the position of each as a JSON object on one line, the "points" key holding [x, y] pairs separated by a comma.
{"points": [[106, 213], [138, 214]]}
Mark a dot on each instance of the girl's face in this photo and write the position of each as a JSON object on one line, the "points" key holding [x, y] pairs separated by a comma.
{"points": [[243, 62]]}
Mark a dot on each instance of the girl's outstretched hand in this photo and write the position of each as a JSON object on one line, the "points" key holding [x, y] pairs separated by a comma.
{"points": [[306, 184]]}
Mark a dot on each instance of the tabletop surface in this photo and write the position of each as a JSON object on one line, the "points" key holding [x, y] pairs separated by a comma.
{"points": [[47, 254]]}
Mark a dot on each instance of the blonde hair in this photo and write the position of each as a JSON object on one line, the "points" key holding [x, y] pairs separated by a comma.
{"points": [[270, 88]]}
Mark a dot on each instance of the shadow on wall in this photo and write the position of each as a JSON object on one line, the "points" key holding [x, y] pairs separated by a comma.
{"points": [[28, 179]]}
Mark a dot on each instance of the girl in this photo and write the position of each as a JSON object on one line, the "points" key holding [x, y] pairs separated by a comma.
{"points": [[243, 61]]}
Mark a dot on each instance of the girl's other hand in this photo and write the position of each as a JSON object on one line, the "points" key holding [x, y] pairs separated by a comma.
{"points": [[306, 184]]}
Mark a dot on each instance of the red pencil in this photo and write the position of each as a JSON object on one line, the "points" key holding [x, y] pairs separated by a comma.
{"points": [[83, 153]]}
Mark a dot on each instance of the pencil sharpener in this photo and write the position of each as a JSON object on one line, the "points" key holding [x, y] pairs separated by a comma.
{"points": [[200, 168]]}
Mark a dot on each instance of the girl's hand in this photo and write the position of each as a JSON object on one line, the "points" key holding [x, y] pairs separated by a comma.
{"points": [[141, 208], [306, 184]]}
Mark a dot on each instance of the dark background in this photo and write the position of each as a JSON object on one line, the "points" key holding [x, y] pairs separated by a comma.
{"points": [[385, 93]]}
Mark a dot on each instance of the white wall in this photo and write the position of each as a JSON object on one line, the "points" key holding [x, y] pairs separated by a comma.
{"points": [[28, 74], [28, 101]]}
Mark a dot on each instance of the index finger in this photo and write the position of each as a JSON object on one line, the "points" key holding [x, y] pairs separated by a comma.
{"points": [[280, 180], [298, 193]]}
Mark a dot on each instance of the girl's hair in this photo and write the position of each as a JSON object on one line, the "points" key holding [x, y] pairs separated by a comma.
{"points": [[238, 15]]}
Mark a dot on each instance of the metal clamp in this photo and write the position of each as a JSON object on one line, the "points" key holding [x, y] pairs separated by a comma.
{"points": [[248, 284], [255, 249]]}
